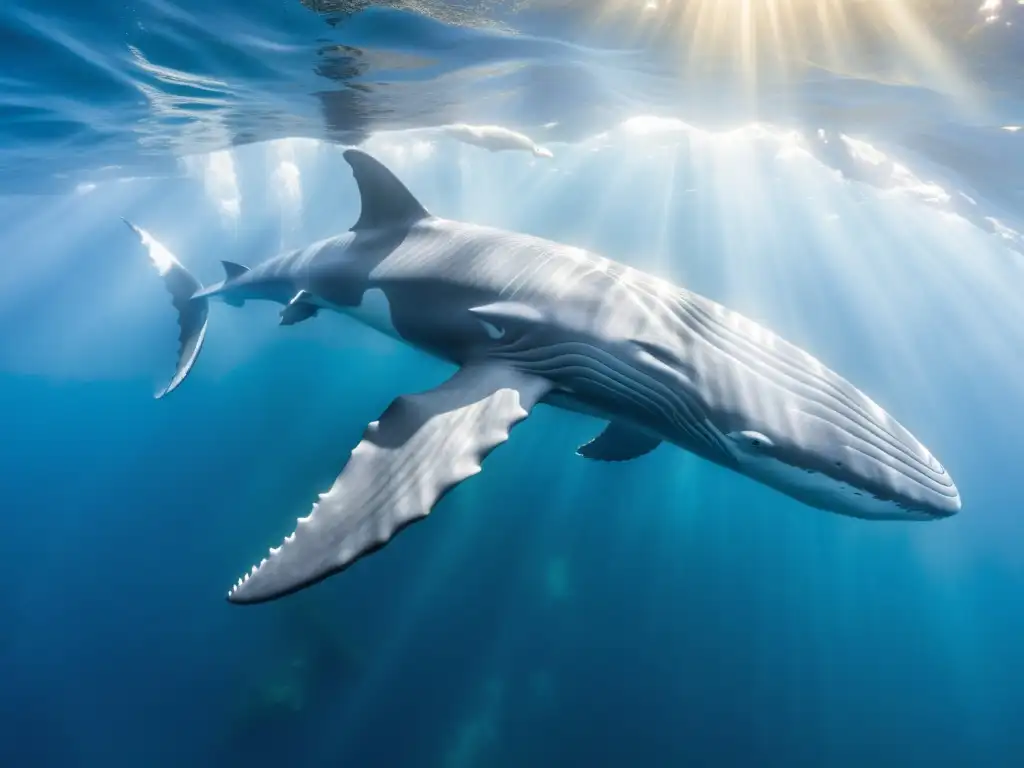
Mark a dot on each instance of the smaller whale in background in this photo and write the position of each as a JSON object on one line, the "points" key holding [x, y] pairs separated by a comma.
{"points": [[495, 138], [526, 321]]}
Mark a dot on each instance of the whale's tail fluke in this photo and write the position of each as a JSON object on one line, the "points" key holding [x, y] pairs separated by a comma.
{"points": [[192, 310]]}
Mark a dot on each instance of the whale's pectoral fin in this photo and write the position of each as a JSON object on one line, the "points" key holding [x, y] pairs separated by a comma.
{"points": [[618, 442], [422, 447], [300, 308]]}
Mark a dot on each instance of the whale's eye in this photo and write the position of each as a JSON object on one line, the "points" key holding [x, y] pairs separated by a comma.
{"points": [[753, 440], [492, 330]]}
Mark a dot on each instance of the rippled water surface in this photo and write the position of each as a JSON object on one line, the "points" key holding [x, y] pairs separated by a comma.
{"points": [[89, 88]]}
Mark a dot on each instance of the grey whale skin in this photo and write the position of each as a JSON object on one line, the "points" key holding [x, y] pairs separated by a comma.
{"points": [[529, 321]]}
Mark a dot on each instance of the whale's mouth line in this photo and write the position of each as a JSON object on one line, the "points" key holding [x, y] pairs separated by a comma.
{"points": [[816, 384], [946, 491], [897, 460], [824, 486]]}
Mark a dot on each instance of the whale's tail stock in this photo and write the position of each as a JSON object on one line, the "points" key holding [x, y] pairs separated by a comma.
{"points": [[193, 310]]}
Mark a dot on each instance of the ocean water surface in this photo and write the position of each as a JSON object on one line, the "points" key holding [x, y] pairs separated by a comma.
{"points": [[849, 174]]}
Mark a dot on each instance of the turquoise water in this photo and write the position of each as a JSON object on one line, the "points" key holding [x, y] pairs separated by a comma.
{"points": [[551, 611]]}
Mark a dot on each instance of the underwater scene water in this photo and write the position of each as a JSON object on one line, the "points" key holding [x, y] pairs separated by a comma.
{"points": [[847, 174]]}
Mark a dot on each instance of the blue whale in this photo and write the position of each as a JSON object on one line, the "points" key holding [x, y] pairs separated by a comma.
{"points": [[529, 321]]}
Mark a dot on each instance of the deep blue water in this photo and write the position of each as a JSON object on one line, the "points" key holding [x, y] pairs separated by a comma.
{"points": [[550, 611]]}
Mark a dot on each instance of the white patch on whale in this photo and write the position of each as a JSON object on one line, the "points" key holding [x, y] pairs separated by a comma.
{"points": [[492, 330]]}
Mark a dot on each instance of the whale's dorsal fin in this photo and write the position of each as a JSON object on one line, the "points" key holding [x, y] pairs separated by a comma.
{"points": [[233, 270], [618, 442], [386, 202]]}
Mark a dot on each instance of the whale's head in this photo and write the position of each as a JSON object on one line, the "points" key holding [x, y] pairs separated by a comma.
{"points": [[788, 422], [729, 390], [859, 472]]}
